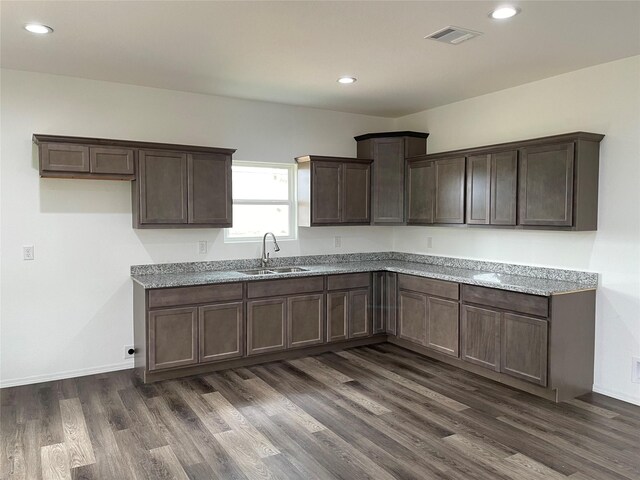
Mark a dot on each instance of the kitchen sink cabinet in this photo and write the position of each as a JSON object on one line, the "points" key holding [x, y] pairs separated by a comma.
{"points": [[333, 191], [266, 325], [389, 151]]}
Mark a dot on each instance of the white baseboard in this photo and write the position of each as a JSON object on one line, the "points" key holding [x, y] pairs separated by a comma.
{"points": [[618, 395], [68, 374]]}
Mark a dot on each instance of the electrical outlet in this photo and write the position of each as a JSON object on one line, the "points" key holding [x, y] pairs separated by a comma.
{"points": [[429, 242], [202, 247], [27, 252], [129, 351], [337, 241], [635, 369]]}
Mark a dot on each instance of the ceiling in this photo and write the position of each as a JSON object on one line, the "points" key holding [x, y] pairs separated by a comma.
{"points": [[293, 52]]}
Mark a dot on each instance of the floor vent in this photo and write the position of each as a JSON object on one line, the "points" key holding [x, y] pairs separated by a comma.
{"points": [[453, 35]]}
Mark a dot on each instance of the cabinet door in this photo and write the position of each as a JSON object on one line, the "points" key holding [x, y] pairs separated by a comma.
{"points": [[379, 312], [359, 313], [545, 190], [478, 189], [504, 182], [388, 180], [524, 348], [163, 187], [356, 190], [391, 302], [209, 191], [221, 332], [449, 190], [337, 316], [480, 339], [442, 325], [115, 161], [420, 183], [305, 324], [266, 325], [173, 338], [60, 157], [326, 193], [412, 317]]}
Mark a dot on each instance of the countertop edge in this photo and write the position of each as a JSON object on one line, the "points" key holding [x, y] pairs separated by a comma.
{"points": [[333, 270]]}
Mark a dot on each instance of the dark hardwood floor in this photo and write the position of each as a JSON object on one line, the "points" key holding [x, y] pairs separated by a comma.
{"points": [[376, 412]]}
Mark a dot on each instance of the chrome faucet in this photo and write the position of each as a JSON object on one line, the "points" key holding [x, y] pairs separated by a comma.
{"points": [[265, 255]]}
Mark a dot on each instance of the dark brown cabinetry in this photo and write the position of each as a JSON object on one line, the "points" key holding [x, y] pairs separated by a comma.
{"points": [[305, 324], [549, 182], [384, 300], [333, 191], [266, 325], [174, 186], [428, 313], [221, 331], [436, 191], [389, 151], [491, 188], [349, 306], [176, 189], [511, 343], [70, 157], [173, 338]]}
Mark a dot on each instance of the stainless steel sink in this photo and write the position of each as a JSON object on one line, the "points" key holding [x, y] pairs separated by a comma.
{"points": [[257, 272], [288, 269], [271, 271]]}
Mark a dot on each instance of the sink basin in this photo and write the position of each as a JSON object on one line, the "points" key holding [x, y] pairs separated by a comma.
{"points": [[260, 271], [288, 269], [271, 271]]}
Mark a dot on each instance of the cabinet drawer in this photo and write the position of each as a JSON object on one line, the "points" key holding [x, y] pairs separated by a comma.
{"points": [[514, 301], [347, 281], [166, 297], [286, 286], [439, 288]]}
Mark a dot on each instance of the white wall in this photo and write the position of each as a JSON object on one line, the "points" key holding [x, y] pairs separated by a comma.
{"points": [[603, 99], [70, 311]]}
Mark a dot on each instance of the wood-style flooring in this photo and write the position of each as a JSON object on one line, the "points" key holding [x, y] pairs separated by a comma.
{"points": [[377, 412]]}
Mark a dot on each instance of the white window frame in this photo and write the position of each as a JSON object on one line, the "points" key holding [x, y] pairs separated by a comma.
{"points": [[292, 201]]}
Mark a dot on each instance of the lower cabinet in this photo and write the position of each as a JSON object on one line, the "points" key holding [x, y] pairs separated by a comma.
{"points": [[349, 306], [505, 342], [173, 338], [221, 331], [305, 320], [428, 320], [266, 325]]}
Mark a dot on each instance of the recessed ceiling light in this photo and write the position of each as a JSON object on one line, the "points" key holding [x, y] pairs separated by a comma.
{"points": [[38, 28], [501, 13], [347, 80]]}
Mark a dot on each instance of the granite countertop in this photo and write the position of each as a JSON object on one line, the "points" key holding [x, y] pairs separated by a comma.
{"points": [[488, 277]]}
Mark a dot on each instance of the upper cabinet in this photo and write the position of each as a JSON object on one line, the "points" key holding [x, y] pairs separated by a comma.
{"points": [[182, 189], [549, 183], [389, 151], [436, 190], [333, 191], [174, 186], [73, 157]]}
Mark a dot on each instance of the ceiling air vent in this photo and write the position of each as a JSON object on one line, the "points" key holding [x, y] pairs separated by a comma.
{"points": [[453, 35]]}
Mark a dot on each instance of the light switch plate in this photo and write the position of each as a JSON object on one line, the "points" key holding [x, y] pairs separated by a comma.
{"points": [[202, 247], [337, 241], [429, 242], [635, 369]]}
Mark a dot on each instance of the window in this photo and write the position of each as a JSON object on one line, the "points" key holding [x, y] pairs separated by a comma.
{"points": [[263, 201]]}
